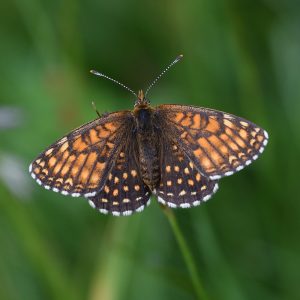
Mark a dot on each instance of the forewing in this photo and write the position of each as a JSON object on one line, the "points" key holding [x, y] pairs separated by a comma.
{"points": [[124, 191], [78, 163], [218, 143], [181, 183]]}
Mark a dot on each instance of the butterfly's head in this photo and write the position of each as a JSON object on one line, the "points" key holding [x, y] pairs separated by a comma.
{"points": [[141, 101]]}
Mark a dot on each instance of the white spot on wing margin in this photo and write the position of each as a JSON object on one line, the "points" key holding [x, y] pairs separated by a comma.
{"points": [[127, 213], [87, 195], [161, 200], [103, 211], [141, 208], [92, 204], [75, 194]]}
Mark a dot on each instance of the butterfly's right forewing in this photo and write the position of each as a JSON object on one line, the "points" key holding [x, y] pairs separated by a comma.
{"points": [[79, 163]]}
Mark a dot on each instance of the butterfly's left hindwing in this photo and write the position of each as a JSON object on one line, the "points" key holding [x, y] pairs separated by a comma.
{"points": [[78, 164], [181, 184], [218, 143]]}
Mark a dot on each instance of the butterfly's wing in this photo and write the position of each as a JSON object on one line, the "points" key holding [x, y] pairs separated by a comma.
{"points": [[219, 144], [124, 191], [79, 163], [181, 184]]}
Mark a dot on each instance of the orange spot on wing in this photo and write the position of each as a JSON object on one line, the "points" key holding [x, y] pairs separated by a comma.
{"points": [[98, 171], [228, 123], [65, 169], [111, 126], [196, 121], [212, 126], [93, 136], [57, 168], [110, 145], [216, 157], [184, 135], [64, 147], [65, 155], [186, 121], [206, 163], [69, 181], [91, 160], [79, 145], [81, 159], [45, 171], [49, 151], [85, 173], [198, 152], [260, 138], [59, 180], [243, 133], [52, 161], [178, 117], [215, 141], [77, 165], [103, 133], [236, 138], [224, 150]]}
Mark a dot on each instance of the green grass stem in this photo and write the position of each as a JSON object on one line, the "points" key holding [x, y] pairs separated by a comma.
{"points": [[186, 253]]}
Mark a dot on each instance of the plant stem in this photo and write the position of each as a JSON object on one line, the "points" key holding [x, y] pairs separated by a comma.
{"points": [[186, 253]]}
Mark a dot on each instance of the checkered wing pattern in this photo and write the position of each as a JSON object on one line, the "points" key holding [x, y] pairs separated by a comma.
{"points": [[181, 183], [124, 191], [218, 143], [79, 163]]}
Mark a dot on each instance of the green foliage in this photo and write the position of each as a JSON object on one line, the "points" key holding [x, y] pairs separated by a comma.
{"points": [[241, 57]]}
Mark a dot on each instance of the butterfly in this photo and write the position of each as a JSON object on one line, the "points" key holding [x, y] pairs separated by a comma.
{"points": [[177, 153]]}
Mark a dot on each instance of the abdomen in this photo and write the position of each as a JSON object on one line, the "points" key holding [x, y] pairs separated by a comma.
{"points": [[149, 160]]}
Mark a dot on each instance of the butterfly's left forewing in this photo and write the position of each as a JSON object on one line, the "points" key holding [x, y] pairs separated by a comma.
{"points": [[78, 163], [218, 143]]}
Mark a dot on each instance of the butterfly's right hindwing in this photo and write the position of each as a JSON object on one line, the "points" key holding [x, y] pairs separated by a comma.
{"points": [[124, 191]]}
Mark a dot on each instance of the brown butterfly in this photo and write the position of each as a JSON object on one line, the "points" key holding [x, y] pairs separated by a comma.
{"points": [[176, 152]]}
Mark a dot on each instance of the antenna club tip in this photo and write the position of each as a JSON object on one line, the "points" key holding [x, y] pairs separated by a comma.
{"points": [[95, 72], [179, 57]]}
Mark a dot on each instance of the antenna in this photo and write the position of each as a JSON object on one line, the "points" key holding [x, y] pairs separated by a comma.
{"points": [[113, 80], [178, 58]]}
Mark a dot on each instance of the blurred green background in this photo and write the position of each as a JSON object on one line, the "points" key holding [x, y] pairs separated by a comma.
{"points": [[241, 57]]}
